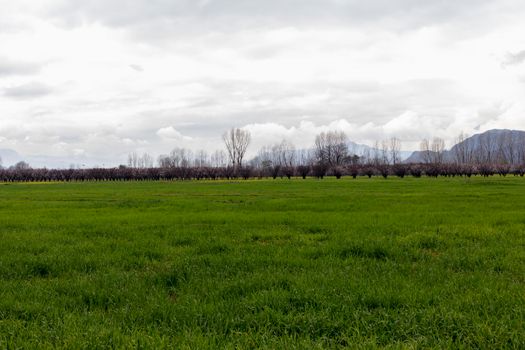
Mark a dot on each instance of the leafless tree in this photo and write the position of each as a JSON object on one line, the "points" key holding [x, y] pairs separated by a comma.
{"points": [[201, 159], [462, 150], [438, 150], [229, 141], [305, 161], [426, 154], [146, 161], [485, 151], [178, 158], [377, 153], [265, 157], [331, 148], [236, 141], [275, 155], [218, 159], [243, 141], [22, 165], [520, 150], [384, 152], [305, 157], [395, 150], [133, 160], [340, 148], [287, 158], [284, 153], [322, 148], [366, 157], [164, 161], [457, 149], [181, 157], [136, 161], [501, 149], [279, 159]]}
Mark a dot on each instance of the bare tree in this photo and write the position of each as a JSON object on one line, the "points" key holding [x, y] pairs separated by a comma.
{"points": [[22, 165], [243, 138], [366, 157], [339, 142], [377, 153], [275, 155], [395, 150], [181, 157], [218, 159], [287, 158], [304, 157], [236, 141], [133, 160], [426, 154], [178, 158], [503, 146], [460, 149], [305, 161], [201, 159], [520, 150], [279, 159], [264, 158], [146, 161], [285, 153], [322, 148], [485, 151], [438, 150], [331, 148], [384, 152], [164, 161]]}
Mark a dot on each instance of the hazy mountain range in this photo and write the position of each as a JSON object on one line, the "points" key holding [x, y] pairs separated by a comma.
{"points": [[490, 139], [359, 149]]}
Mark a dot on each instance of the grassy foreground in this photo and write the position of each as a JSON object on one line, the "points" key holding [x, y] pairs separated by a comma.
{"points": [[268, 264]]}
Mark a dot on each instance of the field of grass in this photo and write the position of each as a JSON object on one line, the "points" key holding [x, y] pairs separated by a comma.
{"points": [[264, 264]]}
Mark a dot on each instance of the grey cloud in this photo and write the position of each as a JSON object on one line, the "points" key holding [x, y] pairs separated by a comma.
{"points": [[136, 67], [9, 67], [512, 59], [236, 103], [246, 13], [492, 112], [45, 130], [228, 103], [28, 91]]}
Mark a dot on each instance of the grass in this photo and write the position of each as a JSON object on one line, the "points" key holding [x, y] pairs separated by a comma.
{"points": [[411, 263]]}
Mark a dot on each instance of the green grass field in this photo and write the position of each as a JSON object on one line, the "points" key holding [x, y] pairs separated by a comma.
{"points": [[411, 263]]}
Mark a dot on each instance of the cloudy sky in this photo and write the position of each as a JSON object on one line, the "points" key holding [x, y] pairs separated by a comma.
{"points": [[90, 81]]}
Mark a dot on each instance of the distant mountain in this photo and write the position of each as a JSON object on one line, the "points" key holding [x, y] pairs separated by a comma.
{"points": [[485, 145], [416, 157], [360, 150]]}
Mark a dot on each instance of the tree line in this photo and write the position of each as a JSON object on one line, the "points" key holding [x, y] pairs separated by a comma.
{"points": [[330, 155]]}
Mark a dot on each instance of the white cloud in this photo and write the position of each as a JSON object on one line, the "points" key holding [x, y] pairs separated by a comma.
{"points": [[27, 91], [512, 59], [170, 132], [10, 67]]}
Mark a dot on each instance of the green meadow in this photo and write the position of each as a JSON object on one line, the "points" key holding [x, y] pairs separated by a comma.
{"points": [[272, 264]]}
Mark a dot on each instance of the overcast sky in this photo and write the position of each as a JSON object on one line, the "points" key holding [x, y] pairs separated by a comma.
{"points": [[91, 81]]}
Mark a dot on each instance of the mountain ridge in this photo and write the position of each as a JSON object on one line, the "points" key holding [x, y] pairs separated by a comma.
{"points": [[485, 145]]}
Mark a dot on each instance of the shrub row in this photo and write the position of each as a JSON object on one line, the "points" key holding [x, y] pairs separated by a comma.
{"points": [[213, 173]]}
